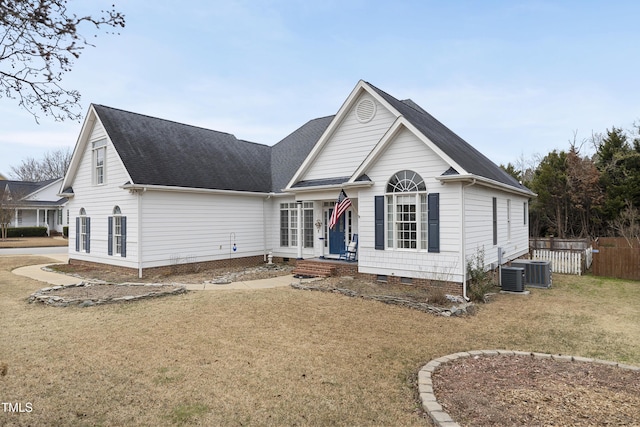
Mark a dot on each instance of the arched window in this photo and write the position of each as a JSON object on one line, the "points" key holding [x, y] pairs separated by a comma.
{"points": [[407, 214], [83, 231], [117, 244]]}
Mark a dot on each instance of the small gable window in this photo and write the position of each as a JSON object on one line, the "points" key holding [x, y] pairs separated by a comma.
{"points": [[117, 229], [99, 161]]}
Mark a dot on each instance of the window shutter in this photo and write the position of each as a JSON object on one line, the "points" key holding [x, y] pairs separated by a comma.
{"points": [[77, 234], [379, 222], [110, 235], [124, 236], [88, 234], [433, 201], [495, 221]]}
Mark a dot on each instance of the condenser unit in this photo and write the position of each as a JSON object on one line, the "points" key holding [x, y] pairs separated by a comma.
{"points": [[512, 279], [536, 273]]}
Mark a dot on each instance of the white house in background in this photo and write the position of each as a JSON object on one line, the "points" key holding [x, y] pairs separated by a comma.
{"points": [[145, 193], [37, 204]]}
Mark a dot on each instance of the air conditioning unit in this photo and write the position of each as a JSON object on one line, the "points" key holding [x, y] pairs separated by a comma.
{"points": [[512, 279], [537, 274]]}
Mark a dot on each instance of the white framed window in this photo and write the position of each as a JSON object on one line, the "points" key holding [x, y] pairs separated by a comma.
{"points": [[82, 231], [289, 224], [407, 215], [508, 220], [99, 161], [19, 217], [117, 233], [117, 230]]}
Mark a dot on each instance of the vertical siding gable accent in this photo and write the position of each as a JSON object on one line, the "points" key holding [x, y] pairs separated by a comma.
{"points": [[110, 235], [379, 222], [433, 218], [77, 234], [123, 252]]}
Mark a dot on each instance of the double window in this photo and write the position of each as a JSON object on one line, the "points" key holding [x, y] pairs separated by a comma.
{"points": [[289, 224], [407, 213]]}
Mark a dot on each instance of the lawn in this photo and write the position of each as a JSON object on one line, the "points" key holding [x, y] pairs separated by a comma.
{"points": [[32, 242], [276, 356]]}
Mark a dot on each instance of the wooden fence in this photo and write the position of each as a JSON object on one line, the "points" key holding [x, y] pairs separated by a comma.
{"points": [[616, 257], [566, 262]]}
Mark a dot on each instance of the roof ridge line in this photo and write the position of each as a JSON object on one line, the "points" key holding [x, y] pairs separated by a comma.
{"points": [[175, 122]]}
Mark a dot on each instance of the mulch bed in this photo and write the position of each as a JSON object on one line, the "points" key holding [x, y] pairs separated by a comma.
{"points": [[525, 391]]}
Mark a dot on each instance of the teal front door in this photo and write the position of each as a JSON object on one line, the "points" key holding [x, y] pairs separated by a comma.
{"points": [[336, 236]]}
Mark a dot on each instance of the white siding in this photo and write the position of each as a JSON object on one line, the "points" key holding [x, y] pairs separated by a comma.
{"points": [[190, 227], [350, 144], [99, 201], [479, 224], [407, 152]]}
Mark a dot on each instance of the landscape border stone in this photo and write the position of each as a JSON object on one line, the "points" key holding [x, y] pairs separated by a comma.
{"points": [[425, 385], [47, 295], [461, 309]]}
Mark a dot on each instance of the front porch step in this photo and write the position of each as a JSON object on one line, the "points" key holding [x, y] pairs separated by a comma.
{"points": [[314, 269]]}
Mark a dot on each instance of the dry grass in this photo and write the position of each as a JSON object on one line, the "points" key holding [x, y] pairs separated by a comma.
{"points": [[275, 357], [32, 242]]}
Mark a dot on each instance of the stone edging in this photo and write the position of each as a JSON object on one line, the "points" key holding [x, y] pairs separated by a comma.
{"points": [[47, 295], [425, 385], [460, 309]]}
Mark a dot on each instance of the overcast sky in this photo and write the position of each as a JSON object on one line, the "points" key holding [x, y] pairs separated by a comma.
{"points": [[513, 78]]}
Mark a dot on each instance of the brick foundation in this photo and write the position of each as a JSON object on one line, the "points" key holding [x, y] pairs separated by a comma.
{"points": [[341, 269], [185, 268]]}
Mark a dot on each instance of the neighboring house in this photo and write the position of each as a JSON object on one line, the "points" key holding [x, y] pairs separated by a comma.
{"points": [[146, 193], [36, 204]]}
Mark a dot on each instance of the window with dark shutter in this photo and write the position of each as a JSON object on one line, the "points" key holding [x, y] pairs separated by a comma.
{"points": [[379, 222], [434, 221]]}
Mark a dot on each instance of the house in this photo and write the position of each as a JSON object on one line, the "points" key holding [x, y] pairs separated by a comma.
{"points": [[35, 204], [148, 193]]}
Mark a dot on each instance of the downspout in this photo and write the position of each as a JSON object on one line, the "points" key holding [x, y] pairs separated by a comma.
{"points": [[140, 193], [464, 242], [264, 227]]}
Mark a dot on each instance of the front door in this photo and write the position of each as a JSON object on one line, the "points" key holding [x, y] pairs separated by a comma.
{"points": [[336, 236]]}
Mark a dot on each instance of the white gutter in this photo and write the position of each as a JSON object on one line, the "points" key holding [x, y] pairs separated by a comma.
{"points": [[168, 188], [487, 182], [315, 188], [463, 240]]}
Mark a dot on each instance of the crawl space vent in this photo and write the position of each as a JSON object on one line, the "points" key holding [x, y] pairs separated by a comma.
{"points": [[365, 110]]}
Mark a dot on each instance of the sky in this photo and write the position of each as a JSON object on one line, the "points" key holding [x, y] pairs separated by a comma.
{"points": [[515, 79]]}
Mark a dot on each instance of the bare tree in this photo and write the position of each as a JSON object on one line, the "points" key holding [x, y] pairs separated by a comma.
{"points": [[53, 165], [627, 224], [39, 39], [9, 200]]}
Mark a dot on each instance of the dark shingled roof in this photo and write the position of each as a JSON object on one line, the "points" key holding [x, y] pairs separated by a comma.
{"points": [[162, 152], [288, 154], [22, 189], [455, 147]]}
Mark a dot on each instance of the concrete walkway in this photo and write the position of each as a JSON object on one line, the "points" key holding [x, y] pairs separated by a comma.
{"points": [[36, 272]]}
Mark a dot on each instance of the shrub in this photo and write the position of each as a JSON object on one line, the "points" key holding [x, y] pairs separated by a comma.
{"points": [[27, 232], [479, 281]]}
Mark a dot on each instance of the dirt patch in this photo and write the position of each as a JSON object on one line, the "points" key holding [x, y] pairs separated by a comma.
{"points": [[33, 242], [204, 276], [523, 390]]}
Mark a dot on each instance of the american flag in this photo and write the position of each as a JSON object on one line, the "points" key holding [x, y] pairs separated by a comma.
{"points": [[342, 204]]}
